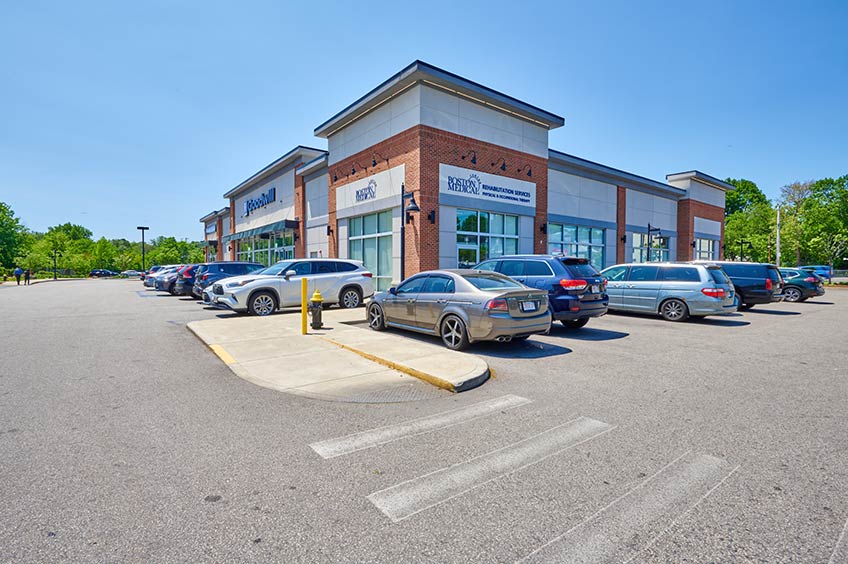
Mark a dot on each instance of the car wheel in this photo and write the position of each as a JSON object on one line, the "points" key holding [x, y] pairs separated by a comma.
{"points": [[574, 323], [792, 294], [453, 332], [262, 304], [376, 318], [350, 298], [674, 310]]}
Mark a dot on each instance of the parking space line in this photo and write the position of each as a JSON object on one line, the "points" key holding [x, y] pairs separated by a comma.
{"points": [[331, 448], [618, 531], [840, 551], [418, 494]]}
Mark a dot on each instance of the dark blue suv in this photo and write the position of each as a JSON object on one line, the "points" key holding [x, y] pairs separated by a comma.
{"points": [[576, 290]]}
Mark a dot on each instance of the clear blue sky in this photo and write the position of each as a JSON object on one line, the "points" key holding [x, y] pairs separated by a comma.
{"points": [[115, 114]]}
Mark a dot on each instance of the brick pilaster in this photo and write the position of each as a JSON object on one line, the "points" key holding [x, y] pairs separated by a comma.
{"points": [[620, 224]]}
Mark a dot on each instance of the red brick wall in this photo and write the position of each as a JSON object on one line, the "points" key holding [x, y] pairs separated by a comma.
{"points": [[620, 224], [687, 210], [300, 214], [421, 149], [219, 235]]}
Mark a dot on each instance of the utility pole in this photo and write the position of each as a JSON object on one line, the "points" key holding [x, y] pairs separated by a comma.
{"points": [[55, 254], [777, 254], [651, 231], [142, 229]]}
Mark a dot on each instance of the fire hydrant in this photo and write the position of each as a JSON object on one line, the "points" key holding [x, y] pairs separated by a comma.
{"points": [[316, 306]]}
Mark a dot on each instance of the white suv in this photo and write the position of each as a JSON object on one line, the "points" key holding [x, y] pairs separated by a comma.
{"points": [[343, 282]]}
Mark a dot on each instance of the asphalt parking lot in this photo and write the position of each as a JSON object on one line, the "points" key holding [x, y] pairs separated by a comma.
{"points": [[122, 438]]}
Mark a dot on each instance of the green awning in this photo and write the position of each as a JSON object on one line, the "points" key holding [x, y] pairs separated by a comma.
{"points": [[209, 243], [270, 228]]}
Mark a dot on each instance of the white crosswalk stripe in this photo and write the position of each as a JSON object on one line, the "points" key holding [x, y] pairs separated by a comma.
{"points": [[408, 498], [632, 523], [374, 437]]}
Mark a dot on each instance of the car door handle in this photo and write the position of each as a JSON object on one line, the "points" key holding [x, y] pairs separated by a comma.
{"points": [[630, 285], [410, 301], [441, 301]]}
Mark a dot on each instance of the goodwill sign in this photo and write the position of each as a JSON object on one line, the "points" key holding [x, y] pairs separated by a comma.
{"points": [[486, 187]]}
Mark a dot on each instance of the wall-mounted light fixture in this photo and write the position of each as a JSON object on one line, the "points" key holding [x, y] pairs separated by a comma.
{"points": [[374, 159], [473, 154], [693, 244], [336, 175], [623, 238], [329, 231], [295, 236], [529, 170], [503, 163], [543, 228], [354, 165], [432, 216]]}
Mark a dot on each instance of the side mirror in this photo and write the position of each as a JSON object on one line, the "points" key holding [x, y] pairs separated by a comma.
{"points": [[393, 291], [290, 273]]}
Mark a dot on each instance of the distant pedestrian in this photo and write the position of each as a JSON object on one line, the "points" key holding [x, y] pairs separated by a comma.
{"points": [[27, 274], [18, 272]]}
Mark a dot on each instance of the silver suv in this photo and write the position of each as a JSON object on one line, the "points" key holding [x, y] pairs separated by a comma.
{"points": [[673, 290], [343, 282]]}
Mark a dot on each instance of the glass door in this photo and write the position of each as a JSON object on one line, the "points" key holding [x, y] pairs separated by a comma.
{"points": [[466, 256]]}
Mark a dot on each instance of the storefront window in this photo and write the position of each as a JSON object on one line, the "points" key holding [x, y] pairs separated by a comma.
{"points": [[370, 240], [659, 250], [267, 250], [481, 235], [705, 249], [577, 241]]}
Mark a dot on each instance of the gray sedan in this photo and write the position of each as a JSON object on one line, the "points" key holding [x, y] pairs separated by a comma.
{"points": [[461, 307]]}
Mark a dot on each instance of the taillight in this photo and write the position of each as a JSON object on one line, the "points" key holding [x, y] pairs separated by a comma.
{"points": [[810, 279], [769, 285], [498, 304], [204, 277], [573, 284], [713, 292], [367, 275]]}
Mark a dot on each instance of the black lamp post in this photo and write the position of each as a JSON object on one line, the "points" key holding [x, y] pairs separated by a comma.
{"points": [[742, 243], [56, 253], [410, 208], [651, 231], [142, 229]]}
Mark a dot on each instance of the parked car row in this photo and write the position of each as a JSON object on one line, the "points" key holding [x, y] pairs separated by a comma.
{"points": [[501, 299]]}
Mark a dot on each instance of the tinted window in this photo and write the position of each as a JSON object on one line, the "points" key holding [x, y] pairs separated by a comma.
{"points": [[773, 273], [615, 273], [512, 268], [741, 270], [202, 269], [642, 273], [580, 268], [249, 268], [345, 267], [489, 282], [537, 268], [718, 276], [412, 286], [438, 285], [680, 274], [489, 265], [323, 267], [789, 273], [301, 268]]}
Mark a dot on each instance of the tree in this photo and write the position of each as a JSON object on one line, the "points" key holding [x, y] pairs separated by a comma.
{"points": [[72, 231], [746, 195], [104, 253], [12, 236]]}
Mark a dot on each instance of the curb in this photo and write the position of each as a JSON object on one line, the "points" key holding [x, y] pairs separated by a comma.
{"points": [[429, 378]]}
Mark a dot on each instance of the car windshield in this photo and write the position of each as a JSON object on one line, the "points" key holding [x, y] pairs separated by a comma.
{"points": [[491, 282], [718, 276], [275, 269], [579, 268]]}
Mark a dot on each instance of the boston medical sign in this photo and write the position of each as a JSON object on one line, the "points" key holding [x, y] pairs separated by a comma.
{"points": [[486, 187], [253, 204]]}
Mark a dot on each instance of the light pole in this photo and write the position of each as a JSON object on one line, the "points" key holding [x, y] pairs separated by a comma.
{"points": [[651, 231], [741, 243], [56, 253], [142, 229], [406, 217]]}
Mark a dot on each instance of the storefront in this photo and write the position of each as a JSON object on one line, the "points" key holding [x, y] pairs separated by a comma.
{"points": [[430, 170]]}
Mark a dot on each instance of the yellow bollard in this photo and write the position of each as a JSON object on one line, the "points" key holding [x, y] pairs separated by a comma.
{"points": [[303, 305]]}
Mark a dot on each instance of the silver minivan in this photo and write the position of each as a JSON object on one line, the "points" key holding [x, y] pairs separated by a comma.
{"points": [[673, 290]]}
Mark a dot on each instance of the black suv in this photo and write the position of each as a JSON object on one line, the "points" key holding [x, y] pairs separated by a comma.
{"points": [[576, 291], [207, 273], [754, 282]]}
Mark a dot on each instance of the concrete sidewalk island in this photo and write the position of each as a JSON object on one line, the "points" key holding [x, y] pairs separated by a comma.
{"points": [[343, 361]]}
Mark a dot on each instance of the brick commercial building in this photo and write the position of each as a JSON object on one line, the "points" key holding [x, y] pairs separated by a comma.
{"points": [[430, 170]]}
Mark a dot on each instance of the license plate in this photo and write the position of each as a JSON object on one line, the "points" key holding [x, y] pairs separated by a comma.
{"points": [[596, 289], [528, 306]]}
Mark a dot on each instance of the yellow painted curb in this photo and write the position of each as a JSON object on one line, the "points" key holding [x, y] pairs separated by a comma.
{"points": [[429, 378], [226, 357]]}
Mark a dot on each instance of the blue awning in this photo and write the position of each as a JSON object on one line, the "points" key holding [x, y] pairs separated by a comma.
{"points": [[270, 228]]}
